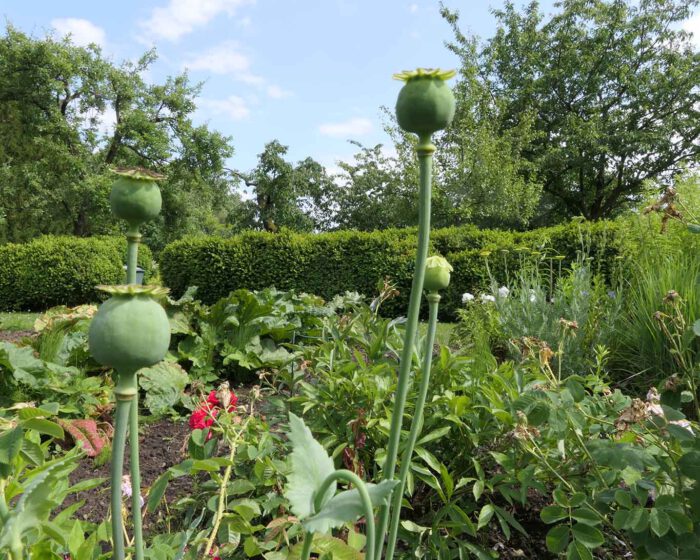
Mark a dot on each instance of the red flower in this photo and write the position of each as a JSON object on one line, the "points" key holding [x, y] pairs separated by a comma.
{"points": [[214, 400], [203, 417]]}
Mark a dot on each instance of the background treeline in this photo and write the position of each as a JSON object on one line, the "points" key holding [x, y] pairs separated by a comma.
{"points": [[581, 113]]}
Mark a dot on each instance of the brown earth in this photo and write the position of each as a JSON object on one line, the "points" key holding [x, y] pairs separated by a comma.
{"points": [[162, 445]]}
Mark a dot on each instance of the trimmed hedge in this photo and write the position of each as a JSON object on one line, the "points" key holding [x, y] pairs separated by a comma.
{"points": [[331, 263], [55, 270]]}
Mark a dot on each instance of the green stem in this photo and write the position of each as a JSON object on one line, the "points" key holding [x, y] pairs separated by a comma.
{"points": [[306, 549], [121, 423], [425, 151], [223, 487], [352, 478], [133, 238], [135, 476], [416, 425]]}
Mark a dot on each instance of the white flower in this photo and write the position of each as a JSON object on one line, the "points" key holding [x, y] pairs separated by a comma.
{"points": [[466, 296], [533, 296], [503, 292], [655, 409], [485, 298], [653, 395], [683, 424]]}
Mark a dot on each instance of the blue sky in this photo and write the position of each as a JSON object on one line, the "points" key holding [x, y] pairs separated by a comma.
{"points": [[310, 73]]}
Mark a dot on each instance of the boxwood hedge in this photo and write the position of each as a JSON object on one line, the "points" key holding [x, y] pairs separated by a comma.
{"points": [[58, 270], [331, 263]]}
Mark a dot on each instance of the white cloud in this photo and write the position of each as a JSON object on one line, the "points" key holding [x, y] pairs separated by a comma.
{"points": [[225, 58], [276, 92], [82, 31], [693, 26], [413, 8], [357, 126], [180, 17], [233, 107]]}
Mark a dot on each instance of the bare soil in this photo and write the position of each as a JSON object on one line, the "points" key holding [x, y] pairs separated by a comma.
{"points": [[162, 445]]}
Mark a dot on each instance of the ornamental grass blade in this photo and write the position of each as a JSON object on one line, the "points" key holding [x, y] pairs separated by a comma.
{"points": [[310, 464], [347, 507]]}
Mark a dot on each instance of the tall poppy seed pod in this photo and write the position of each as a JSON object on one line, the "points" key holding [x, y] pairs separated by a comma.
{"points": [[425, 104], [135, 196], [130, 330], [437, 274]]}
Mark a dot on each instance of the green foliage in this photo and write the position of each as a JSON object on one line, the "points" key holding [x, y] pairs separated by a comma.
{"points": [[58, 142], [34, 484], [52, 271], [571, 318], [333, 263], [298, 197], [643, 350], [245, 331], [27, 377], [595, 99], [164, 384]]}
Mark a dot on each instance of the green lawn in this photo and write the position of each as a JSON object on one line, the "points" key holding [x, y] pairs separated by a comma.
{"points": [[17, 321]]}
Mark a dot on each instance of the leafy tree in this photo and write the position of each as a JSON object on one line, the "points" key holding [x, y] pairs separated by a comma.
{"points": [[610, 89], [56, 150], [372, 193], [284, 195]]}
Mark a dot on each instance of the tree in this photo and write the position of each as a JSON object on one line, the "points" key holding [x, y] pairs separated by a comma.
{"points": [[284, 195], [56, 144], [611, 90]]}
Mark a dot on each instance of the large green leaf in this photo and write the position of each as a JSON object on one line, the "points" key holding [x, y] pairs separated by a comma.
{"points": [[164, 384], [310, 464], [22, 364], [347, 507], [10, 444], [689, 464]]}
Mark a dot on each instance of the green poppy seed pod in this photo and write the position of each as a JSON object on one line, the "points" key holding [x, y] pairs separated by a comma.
{"points": [[437, 274], [426, 103], [135, 196], [130, 330]]}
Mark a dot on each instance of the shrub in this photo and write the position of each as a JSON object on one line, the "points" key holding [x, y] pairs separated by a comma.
{"points": [[331, 263], [51, 271]]}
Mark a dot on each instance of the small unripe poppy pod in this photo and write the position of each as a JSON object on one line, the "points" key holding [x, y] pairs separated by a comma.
{"points": [[426, 103], [130, 330], [437, 274], [135, 196]]}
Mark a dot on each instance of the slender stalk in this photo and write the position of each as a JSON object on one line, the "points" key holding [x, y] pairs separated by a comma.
{"points": [[224, 484], [425, 151], [135, 476], [352, 478], [121, 423], [306, 549], [416, 425], [133, 237]]}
